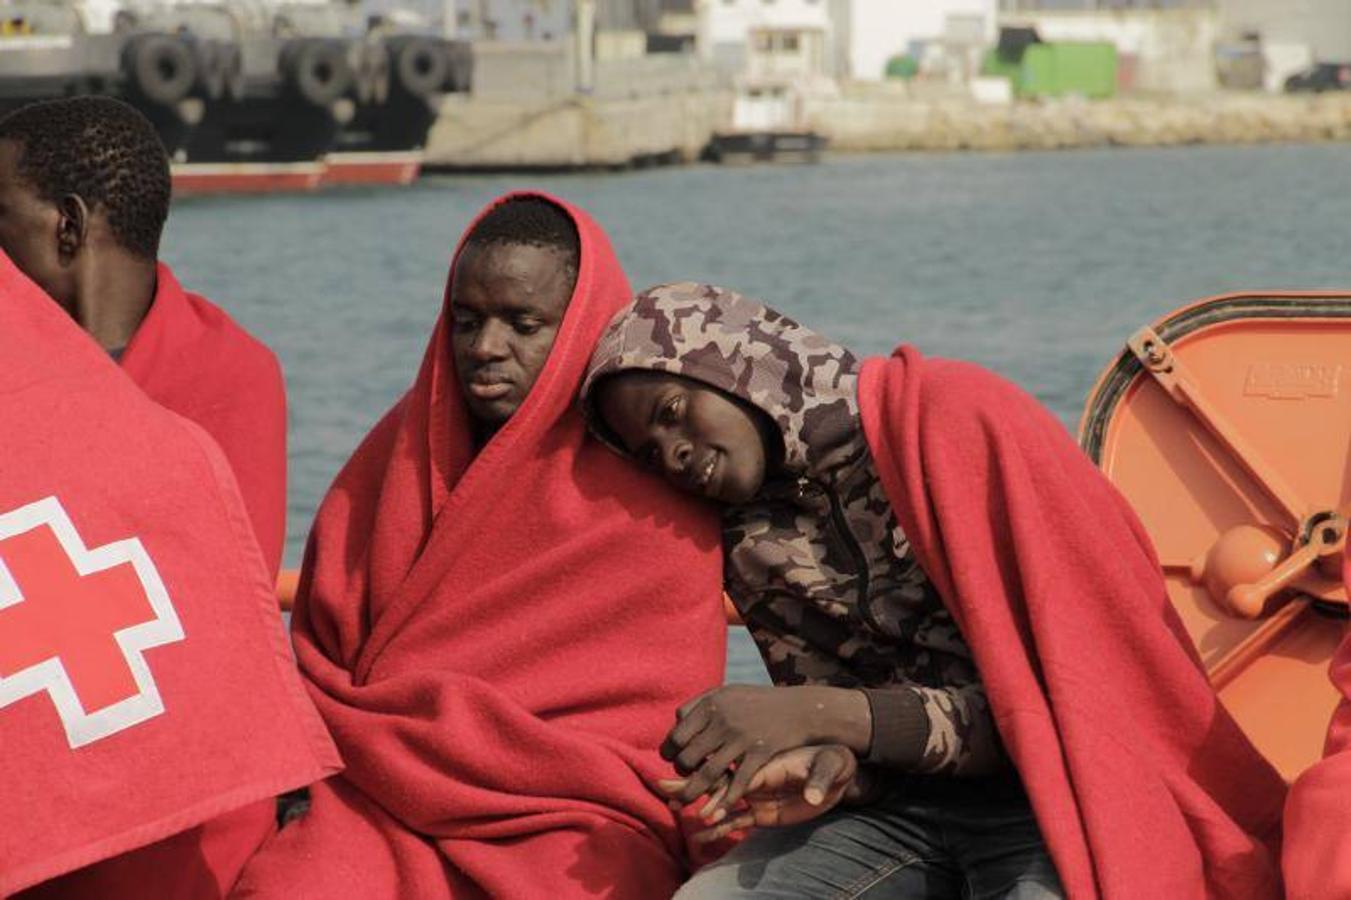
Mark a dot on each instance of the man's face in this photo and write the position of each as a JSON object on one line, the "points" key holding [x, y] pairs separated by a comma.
{"points": [[698, 438], [507, 302], [29, 227]]}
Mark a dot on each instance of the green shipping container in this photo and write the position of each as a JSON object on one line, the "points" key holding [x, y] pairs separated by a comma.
{"points": [[996, 65], [1059, 70], [902, 66]]}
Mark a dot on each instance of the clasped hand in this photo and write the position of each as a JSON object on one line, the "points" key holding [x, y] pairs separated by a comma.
{"points": [[793, 787], [724, 737]]}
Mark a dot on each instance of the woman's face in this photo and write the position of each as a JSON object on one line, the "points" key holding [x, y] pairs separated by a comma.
{"points": [[701, 440]]}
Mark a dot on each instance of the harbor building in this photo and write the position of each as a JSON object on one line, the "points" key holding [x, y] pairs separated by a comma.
{"points": [[872, 33]]}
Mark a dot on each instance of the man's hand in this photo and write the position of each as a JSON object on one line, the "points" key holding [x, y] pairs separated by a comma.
{"points": [[744, 726], [791, 788]]}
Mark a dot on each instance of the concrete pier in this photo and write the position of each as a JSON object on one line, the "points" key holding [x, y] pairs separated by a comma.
{"points": [[584, 132], [526, 113]]}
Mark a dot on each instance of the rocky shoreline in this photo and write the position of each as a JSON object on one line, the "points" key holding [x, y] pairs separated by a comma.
{"points": [[892, 123], [616, 132]]}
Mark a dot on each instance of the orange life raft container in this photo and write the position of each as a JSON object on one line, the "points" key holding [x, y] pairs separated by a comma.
{"points": [[1227, 424]]}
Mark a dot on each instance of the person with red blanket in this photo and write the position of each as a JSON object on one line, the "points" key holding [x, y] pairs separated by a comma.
{"points": [[84, 194], [496, 616], [146, 686], [942, 585], [1316, 851]]}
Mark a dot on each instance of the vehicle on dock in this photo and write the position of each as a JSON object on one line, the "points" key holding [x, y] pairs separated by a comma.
{"points": [[246, 97], [1319, 78]]}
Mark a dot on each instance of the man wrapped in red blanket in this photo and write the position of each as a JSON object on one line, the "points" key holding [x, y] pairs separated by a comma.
{"points": [[84, 193], [497, 617], [145, 682], [941, 583]]}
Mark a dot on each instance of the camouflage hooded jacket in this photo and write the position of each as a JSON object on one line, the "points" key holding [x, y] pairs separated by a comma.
{"points": [[816, 563]]}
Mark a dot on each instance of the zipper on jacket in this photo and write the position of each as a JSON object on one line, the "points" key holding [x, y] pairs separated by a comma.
{"points": [[851, 545]]}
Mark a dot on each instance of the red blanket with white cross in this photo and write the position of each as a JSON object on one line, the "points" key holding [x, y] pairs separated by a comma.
{"points": [[145, 681], [191, 358]]}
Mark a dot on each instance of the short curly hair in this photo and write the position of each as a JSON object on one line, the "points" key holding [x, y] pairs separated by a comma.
{"points": [[529, 220], [103, 151]]}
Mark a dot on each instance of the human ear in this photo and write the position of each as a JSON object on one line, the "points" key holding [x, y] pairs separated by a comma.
{"points": [[72, 226]]}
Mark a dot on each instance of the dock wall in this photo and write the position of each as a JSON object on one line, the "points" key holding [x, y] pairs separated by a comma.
{"points": [[581, 132], [526, 112]]}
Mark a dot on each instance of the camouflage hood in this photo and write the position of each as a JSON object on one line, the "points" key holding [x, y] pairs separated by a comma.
{"points": [[806, 383]]}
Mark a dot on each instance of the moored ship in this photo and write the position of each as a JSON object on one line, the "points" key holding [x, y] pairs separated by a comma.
{"points": [[245, 97]]}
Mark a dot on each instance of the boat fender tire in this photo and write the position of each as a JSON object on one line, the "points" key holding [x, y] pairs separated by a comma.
{"points": [[160, 67], [234, 71], [379, 74], [361, 73], [420, 65], [372, 75], [125, 21], [211, 64], [318, 70], [460, 68]]}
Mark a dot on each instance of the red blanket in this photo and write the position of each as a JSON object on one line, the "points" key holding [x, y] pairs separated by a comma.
{"points": [[1142, 784], [145, 682], [498, 643], [192, 358], [1316, 854], [189, 356], [200, 863]]}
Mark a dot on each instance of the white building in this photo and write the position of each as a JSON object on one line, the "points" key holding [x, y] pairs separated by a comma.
{"points": [[870, 32], [780, 52], [790, 37]]}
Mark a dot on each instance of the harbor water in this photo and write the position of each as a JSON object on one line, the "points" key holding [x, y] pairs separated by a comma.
{"points": [[1037, 265]]}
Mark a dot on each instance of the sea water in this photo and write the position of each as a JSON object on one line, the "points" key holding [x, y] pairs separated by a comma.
{"points": [[1037, 265]]}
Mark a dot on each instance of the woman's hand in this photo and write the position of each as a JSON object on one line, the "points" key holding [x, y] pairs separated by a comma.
{"points": [[791, 788], [739, 728]]}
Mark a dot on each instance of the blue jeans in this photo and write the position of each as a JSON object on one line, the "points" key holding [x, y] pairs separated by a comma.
{"points": [[927, 838]]}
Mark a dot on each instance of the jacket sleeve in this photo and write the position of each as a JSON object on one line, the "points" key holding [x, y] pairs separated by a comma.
{"points": [[934, 730]]}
